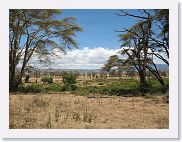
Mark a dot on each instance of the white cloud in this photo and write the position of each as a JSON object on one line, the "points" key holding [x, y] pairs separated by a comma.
{"points": [[86, 58]]}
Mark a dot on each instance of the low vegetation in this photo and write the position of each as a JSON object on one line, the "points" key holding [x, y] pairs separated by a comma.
{"points": [[47, 79], [69, 81], [113, 86], [66, 111]]}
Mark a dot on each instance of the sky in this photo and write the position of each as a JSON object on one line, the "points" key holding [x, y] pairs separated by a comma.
{"points": [[98, 26], [97, 42]]}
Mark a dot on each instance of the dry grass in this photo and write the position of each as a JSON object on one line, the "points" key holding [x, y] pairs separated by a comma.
{"points": [[70, 111]]}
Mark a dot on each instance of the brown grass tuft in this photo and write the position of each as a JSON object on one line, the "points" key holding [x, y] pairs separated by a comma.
{"points": [[70, 111]]}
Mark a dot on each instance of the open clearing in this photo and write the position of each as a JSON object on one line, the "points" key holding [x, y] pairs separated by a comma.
{"points": [[65, 110]]}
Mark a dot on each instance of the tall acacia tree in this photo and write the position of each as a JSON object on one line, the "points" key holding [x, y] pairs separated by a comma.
{"points": [[159, 37], [141, 37], [136, 38], [33, 31]]}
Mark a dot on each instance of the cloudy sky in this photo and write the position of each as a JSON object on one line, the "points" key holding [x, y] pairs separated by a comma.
{"points": [[86, 58], [97, 42]]}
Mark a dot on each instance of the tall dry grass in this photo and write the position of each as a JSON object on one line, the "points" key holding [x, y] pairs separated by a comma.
{"points": [[70, 111]]}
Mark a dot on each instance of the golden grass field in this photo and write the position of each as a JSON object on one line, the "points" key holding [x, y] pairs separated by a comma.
{"points": [[65, 110]]}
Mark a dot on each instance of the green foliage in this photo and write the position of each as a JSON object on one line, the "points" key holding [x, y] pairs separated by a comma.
{"points": [[69, 81], [122, 87], [47, 79], [33, 88], [144, 88], [113, 61], [87, 90], [69, 78], [125, 87], [53, 88], [43, 30], [119, 87], [70, 87], [40, 88]]}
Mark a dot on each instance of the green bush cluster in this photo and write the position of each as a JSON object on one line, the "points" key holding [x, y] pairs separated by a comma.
{"points": [[119, 91], [47, 79], [40, 88], [121, 87], [124, 87], [33, 88], [87, 90], [69, 81]]}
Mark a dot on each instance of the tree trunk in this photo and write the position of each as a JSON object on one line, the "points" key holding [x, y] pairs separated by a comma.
{"points": [[142, 78], [164, 87], [12, 80], [143, 83]]}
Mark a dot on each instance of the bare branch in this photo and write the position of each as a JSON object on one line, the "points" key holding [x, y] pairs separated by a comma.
{"points": [[123, 13]]}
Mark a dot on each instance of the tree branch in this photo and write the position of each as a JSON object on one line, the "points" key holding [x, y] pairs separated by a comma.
{"points": [[131, 15]]}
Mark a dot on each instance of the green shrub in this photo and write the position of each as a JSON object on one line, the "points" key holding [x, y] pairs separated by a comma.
{"points": [[53, 87], [119, 90], [40, 88], [155, 86], [34, 88], [47, 79], [70, 87], [69, 78], [83, 91], [69, 81]]}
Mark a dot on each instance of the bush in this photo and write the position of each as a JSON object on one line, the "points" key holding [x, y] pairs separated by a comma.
{"points": [[145, 88], [69, 78], [34, 88], [53, 87], [87, 90], [69, 87], [40, 88], [155, 86], [47, 79], [108, 90], [119, 90], [69, 81]]}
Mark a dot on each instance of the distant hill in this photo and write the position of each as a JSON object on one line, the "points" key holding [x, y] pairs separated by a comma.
{"points": [[161, 67]]}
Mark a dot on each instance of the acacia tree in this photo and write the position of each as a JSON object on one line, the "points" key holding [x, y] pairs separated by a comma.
{"points": [[159, 37], [159, 42], [140, 38], [36, 32], [136, 39], [113, 61]]}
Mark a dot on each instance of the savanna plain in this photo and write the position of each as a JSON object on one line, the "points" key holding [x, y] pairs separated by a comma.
{"points": [[90, 109]]}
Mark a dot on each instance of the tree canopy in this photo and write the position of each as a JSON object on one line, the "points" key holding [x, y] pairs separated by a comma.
{"points": [[33, 31]]}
